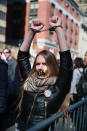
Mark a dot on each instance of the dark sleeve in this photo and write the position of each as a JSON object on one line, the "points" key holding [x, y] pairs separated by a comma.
{"points": [[24, 64], [3, 86], [65, 73]]}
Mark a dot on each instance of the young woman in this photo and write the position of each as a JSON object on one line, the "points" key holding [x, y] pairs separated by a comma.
{"points": [[45, 85]]}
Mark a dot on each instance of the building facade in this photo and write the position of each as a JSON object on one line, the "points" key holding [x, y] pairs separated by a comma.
{"points": [[21, 12], [82, 41], [82, 6], [3, 11]]}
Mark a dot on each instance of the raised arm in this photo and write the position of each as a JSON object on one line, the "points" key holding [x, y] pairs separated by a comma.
{"points": [[65, 72], [55, 22], [36, 25], [23, 54]]}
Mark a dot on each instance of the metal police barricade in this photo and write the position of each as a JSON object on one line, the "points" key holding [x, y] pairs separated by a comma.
{"points": [[76, 121]]}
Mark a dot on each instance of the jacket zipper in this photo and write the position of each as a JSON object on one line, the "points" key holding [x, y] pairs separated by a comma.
{"points": [[45, 103]]}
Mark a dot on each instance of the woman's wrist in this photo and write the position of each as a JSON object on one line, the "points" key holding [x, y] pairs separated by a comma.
{"points": [[33, 31], [58, 27]]}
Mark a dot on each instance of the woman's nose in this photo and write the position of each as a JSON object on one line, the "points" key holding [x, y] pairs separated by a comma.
{"points": [[40, 66]]}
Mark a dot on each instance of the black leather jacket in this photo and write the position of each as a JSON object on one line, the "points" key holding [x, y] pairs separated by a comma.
{"points": [[3, 86], [36, 107]]}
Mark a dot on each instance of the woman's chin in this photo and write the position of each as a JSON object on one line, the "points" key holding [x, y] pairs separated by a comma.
{"points": [[42, 77]]}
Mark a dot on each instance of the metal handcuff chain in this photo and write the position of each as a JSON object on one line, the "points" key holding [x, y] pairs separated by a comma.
{"points": [[48, 29]]}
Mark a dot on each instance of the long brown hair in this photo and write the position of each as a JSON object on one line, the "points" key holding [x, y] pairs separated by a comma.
{"points": [[50, 61]]}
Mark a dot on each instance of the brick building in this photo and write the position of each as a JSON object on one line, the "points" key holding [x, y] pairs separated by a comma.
{"points": [[21, 12]]}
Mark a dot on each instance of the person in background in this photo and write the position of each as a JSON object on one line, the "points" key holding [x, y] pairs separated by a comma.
{"points": [[85, 74], [3, 92], [77, 72], [45, 85], [79, 92], [10, 117], [12, 63], [79, 66], [85, 59]]}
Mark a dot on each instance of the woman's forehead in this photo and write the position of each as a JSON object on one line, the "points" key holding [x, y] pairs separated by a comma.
{"points": [[40, 58]]}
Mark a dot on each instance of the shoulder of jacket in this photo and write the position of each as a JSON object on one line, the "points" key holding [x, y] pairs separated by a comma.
{"points": [[3, 62]]}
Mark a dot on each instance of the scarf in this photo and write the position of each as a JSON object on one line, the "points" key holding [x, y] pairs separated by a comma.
{"points": [[35, 84]]}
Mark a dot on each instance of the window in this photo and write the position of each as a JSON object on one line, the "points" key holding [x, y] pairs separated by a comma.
{"points": [[51, 36], [66, 22], [4, 2], [33, 5], [52, 10], [2, 30], [60, 13], [2, 15], [66, 36], [76, 32], [76, 39], [72, 26], [33, 10], [71, 39]]}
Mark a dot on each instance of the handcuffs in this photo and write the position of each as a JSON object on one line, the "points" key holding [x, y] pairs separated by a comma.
{"points": [[48, 29]]}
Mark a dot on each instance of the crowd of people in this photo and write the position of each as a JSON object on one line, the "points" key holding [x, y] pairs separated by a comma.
{"points": [[80, 66], [31, 91], [8, 90]]}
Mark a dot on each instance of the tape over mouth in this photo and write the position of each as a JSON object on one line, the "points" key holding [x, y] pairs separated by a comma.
{"points": [[41, 72]]}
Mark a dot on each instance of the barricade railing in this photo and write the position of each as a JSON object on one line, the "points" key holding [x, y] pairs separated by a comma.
{"points": [[76, 120]]}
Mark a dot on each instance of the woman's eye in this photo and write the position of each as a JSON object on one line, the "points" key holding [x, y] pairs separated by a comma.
{"points": [[40, 63], [44, 64], [37, 64]]}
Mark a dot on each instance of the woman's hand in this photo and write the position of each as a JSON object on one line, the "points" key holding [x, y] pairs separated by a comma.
{"points": [[37, 25], [55, 22]]}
